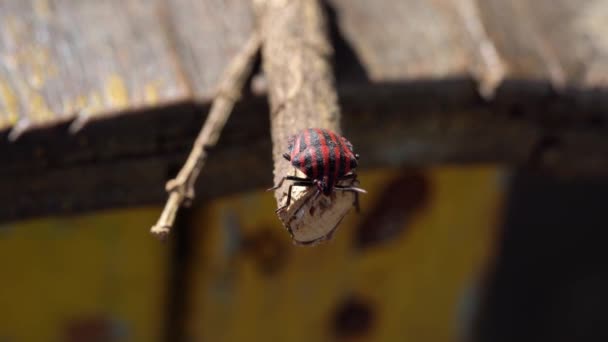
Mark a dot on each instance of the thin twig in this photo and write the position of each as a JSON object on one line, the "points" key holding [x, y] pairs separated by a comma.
{"points": [[181, 188]]}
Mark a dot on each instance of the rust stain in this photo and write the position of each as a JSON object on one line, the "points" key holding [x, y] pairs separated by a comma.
{"points": [[116, 91], [399, 201], [267, 249], [354, 317]]}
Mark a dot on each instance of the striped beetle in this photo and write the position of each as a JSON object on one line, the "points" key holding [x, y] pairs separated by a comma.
{"points": [[326, 158]]}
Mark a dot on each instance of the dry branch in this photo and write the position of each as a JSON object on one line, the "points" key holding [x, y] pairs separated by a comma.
{"points": [[181, 188], [296, 60]]}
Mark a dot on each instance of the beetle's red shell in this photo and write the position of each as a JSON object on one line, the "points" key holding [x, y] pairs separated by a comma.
{"points": [[322, 154]]}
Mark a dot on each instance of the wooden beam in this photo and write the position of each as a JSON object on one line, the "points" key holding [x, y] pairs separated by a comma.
{"points": [[124, 162], [404, 99]]}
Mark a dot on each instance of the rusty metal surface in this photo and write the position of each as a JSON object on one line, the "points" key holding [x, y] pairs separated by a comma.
{"points": [[84, 278], [404, 269]]}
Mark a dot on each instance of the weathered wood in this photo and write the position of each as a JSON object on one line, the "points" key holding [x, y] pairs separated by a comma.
{"points": [[205, 35], [67, 59], [296, 60], [561, 41], [412, 40], [125, 161], [63, 57]]}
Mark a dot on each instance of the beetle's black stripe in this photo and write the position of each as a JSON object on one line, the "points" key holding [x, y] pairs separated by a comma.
{"points": [[331, 168], [316, 145], [343, 154], [307, 162], [302, 142], [338, 150]]}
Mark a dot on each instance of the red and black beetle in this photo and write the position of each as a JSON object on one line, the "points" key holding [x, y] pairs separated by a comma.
{"points": [[325, 158]]}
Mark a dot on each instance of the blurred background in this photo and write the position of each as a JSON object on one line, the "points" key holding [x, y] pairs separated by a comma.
{"points": [[484, 148]]}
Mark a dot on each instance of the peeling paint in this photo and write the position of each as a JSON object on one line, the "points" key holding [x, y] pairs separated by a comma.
{"points": [[116, 91], [151, 92], [11, 106], [39, 61], [94, 104], [39, 109], [76, 104]]}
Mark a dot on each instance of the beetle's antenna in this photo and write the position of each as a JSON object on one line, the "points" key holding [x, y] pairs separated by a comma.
{"points": [[351, 188]]}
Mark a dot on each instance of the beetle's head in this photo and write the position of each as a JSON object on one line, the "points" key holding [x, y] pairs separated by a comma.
{"points": [[324, 186]]}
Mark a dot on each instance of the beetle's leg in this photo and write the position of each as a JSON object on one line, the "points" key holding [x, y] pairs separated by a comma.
{"points": [[305, 182], [287, 156], [349, 188], [355, 190], [288, 199], [292, 178]]}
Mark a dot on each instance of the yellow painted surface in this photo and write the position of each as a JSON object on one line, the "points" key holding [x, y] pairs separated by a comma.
{"points": [[64, 272], [413, 284]]}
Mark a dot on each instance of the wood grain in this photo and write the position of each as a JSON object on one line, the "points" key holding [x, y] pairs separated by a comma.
{"points": [[563, 42], [205, 35], [413, 40], [63, 57]]}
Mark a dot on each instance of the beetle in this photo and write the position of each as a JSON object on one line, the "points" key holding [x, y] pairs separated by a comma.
{"points": [[326, 158]]}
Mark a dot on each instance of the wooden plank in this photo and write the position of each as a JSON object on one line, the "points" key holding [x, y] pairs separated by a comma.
{"points": [[561, 41], [61, 57], [206, 34], [410, 40]]}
